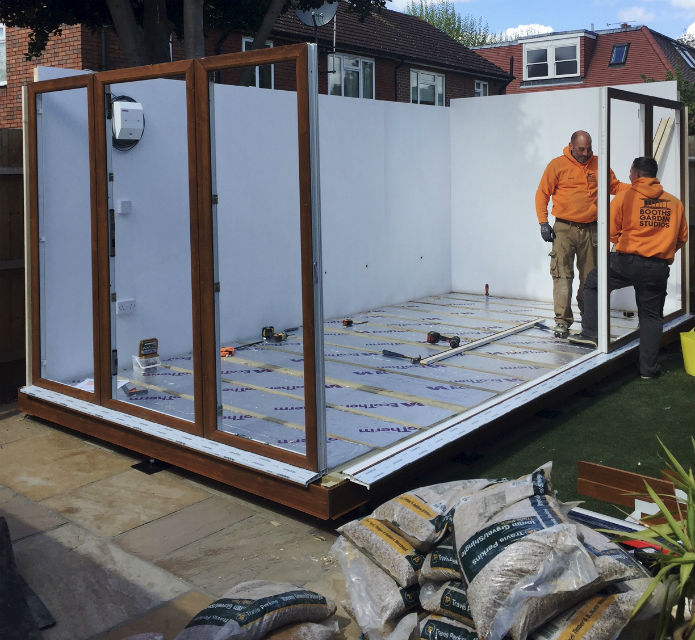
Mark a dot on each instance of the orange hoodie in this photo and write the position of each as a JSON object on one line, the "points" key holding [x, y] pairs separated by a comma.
{"points": [[573, 187], [648, 221]]}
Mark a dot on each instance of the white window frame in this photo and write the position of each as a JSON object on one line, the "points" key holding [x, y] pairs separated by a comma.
{"points": [[430, 73], [550, 45], [686, 55], [360, 70], [3, 53], [246, 40], [481, 89]]}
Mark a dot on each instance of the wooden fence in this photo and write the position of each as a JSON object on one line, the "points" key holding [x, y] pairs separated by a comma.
{"points": [[12, 346]]}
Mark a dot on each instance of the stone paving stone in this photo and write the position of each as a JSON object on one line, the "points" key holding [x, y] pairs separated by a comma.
{"points": [[124, 501], [55, 462], [168, 619], [25, 517], [186, 526], [254, 549], [16, 426], [89, 584]]}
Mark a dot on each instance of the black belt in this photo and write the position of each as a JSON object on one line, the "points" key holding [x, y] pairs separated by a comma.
{"points": [[576, 224], [650, 258]]}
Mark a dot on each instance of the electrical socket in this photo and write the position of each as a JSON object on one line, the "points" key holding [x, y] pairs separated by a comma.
{"points": [[125, 306]]}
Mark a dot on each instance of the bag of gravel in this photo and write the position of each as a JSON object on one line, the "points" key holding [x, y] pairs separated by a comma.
{"points": [[612, 562], [477, 508], [435, 627], [421, 516], [375, 598], [441, 564], [601, 617], [393, 553], [325, 630], [252, 609], [447, 599], [522, 566]]}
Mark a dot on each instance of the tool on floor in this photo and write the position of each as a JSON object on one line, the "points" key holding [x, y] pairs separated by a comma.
{"points": [[226, 352], [394, 354], [433, 337], [348, 322]]}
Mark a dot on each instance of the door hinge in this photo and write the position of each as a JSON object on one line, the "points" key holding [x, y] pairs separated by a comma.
{"points": [[114, 362], [112, 234], [219, 410], [215, 199]]}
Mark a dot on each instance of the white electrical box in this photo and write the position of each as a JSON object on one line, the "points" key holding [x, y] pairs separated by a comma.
{"points": [[128, 120]]}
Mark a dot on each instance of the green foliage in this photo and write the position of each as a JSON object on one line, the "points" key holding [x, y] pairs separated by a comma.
{"points": [[676, 538], [468, 30]]}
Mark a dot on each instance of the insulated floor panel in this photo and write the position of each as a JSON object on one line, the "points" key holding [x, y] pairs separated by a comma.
{"points": [[374, 401]]}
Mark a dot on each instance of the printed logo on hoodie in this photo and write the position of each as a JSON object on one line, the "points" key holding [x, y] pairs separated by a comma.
{"points": [[655, 213]]}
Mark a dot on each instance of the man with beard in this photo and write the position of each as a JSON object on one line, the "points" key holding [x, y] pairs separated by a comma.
{"points": [[571, 180]]}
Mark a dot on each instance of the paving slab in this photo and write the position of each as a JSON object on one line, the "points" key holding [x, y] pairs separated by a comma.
{"points": [[89, 584], [168, 619], [55, 462], [255, 549], [186, 526], [14, 425], [125, 500], [24, 517]]}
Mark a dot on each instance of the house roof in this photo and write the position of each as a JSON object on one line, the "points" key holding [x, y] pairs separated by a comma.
{"points": [[650, 54], [394, 35]]}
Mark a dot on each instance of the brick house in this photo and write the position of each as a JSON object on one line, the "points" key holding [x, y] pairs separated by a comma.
{"points": [[573, 59], [388, 56]]}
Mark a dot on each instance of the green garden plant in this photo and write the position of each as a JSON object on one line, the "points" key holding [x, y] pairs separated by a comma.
{"points": [[676, 557]]}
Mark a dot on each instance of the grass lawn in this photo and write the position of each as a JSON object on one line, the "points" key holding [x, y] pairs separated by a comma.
{"points": [[613, 422]]}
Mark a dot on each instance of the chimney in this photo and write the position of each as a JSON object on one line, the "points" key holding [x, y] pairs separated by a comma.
{"points": [[625, 25]]}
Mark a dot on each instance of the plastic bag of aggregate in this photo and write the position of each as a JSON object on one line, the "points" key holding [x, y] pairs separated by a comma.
{"points": [[441, 564], [375, 597], [477, 508], [434, 627], [325, 630], [393, 553], [447, 599], [421, 516], [252, 609], [601, 617], [523, 566], [612, 562]]}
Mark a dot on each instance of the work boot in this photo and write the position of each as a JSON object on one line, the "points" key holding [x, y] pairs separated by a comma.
{"points": [[584, 340], [561, 331]]}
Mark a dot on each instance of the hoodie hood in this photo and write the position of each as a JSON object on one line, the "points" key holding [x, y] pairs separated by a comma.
{"points": [[648, 187]]}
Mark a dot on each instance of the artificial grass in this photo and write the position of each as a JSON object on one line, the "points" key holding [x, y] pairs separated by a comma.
{"points": [[614, 422]]}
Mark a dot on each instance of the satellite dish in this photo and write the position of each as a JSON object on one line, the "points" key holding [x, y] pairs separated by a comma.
{"points": [[320, 16]]}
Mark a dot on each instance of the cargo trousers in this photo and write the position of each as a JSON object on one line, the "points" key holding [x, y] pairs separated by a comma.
{"points": [[572, 239]]}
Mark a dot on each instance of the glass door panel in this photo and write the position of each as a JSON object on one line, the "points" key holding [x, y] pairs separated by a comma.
{"points": [[65, 238], [150, 262]]}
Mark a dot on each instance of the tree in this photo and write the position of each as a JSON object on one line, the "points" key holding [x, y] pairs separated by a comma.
{"points": [[144, 26], [686, 94], [468, 30]]}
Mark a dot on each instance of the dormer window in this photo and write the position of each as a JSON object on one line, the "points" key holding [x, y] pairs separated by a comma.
{"points": [[619, 54], [551, 59]]}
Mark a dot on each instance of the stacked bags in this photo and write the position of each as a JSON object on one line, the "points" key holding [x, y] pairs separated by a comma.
{"points": [[484, 559]]}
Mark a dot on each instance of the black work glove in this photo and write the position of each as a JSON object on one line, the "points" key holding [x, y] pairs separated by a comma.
{"points": [[547, 232]]}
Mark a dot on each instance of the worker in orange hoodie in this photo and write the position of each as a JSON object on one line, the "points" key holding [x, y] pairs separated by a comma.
{"points": [[647, 227], [571, 180]]}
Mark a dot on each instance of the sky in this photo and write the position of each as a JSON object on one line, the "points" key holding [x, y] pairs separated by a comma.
{"points": [[670, 17]]}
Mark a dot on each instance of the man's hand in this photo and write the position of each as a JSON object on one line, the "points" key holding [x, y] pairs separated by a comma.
{"points": [[547, 232]]}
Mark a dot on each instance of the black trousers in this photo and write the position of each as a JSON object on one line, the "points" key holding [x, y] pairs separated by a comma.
{"points": [[649, 277]]}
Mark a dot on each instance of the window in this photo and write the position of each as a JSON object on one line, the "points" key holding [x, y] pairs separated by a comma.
{"points": [[480, 88], [426, 88], [619, 54], [350, 76], [3, 57], [687, 55], [555, 59], [264, 73]]}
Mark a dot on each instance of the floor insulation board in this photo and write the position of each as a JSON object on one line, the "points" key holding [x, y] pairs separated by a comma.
{"points": [[373, 401]]}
